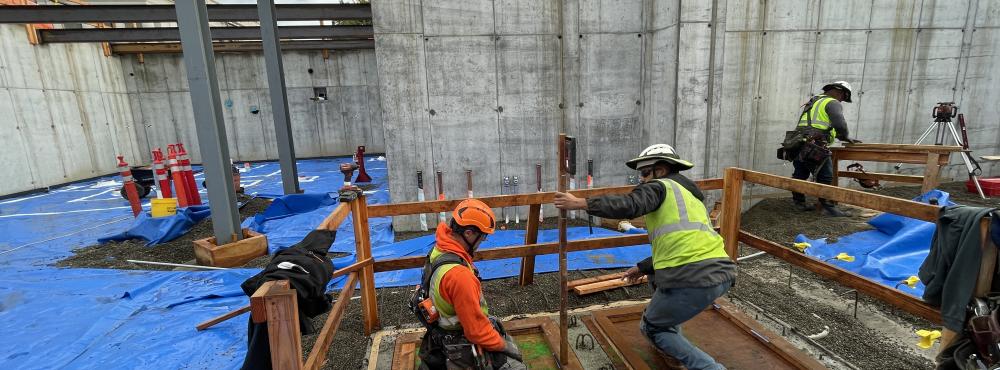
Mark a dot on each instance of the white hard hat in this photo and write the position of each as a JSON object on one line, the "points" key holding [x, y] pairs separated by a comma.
{"points": [[657, 153], [842, 85]]}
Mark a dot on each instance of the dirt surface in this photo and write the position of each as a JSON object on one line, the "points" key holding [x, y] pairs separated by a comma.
{"points": [[180, 250], [957, 190]]}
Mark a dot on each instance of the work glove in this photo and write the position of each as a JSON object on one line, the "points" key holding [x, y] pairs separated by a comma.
{"points": [[854, 141], [349, 193], [510, 349]]}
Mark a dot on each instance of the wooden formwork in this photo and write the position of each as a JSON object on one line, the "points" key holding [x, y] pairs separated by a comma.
{"points": [[732, 184], [733, 339]]}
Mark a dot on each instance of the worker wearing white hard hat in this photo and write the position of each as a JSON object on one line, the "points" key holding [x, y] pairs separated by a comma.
{"points": [[820, 123], [689, 267]]}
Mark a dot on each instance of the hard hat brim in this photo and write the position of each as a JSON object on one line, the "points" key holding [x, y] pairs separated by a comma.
{"points": [[677, 163]]}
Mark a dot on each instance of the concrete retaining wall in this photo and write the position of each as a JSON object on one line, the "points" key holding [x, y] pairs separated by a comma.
{"points": [[478, 84], [64, 113], [351, 115]]}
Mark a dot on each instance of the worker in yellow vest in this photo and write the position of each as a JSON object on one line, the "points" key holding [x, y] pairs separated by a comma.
{"points": [[689, 267], [822, 121]]}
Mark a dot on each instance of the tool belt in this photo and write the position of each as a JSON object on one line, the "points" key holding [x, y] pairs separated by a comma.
{"points": [[448, 349]]}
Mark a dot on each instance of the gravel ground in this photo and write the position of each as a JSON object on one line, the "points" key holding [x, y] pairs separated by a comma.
{"points": [[180, 250]]}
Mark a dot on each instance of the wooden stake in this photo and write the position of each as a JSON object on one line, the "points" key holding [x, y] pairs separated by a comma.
{"points": [[530, 237], [563, 280], [732, 207], [362, 243]]}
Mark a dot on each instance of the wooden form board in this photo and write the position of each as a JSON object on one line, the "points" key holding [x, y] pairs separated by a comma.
{"points": [[601, 283], [931, 156], [723, 332], [537, 338]]}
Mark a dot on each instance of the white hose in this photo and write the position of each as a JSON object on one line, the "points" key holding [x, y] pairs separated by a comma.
{"points": [[749, 256], [176, 265], [820, 335], [423, 216]]}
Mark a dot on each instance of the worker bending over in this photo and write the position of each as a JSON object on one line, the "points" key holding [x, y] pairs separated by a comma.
{"points": [[450, 303], [689, 265], [822, 121]]}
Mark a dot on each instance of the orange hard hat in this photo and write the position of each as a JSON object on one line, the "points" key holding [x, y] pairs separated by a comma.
{"points": [[473, 212]]}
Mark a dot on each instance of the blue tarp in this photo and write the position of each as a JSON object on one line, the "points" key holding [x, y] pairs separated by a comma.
{"points": [[89, 318], [161, 229], [889, 254]]}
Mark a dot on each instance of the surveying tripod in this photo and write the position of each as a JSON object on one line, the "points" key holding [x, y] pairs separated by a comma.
{"points": [[943, 113]]}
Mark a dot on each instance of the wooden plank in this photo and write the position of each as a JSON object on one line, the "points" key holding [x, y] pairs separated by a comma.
{"points": [[530, 237], [777, 344], [522, 250], [886, 156], [932, 172], [317, 356], [499, 201], [913, 179], [596, 279], [631, 357], [889, 295], [405, 355], [606, 285], [901, 147], [333, 221], [369, 308], [209, 323], [990, 157], [283, 328], [877, 202], [713, 216], [732, 201]]}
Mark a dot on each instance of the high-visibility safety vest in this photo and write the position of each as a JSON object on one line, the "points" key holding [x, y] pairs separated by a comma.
{"points": [[447, 319], [680, 231], [820, 120]]}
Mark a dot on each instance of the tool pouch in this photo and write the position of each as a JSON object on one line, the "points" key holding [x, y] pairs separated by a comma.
{"points": [[985, 333], [794, 140], [813, 153]]}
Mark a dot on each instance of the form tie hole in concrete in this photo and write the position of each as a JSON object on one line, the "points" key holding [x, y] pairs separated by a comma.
{"points": [[310, 70], [432, 112]]}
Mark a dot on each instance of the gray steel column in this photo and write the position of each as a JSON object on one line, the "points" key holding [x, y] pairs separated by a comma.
{"points": [[199, 59], [279, 101]]}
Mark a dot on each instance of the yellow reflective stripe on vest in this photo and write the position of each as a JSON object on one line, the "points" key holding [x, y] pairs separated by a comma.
{"points": [[681, 232], [820, 120], [447, 318]]}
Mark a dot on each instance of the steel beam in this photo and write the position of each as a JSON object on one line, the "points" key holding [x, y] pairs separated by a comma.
{"points": [[237, 47], [218, 33], [207, 105], [165, 13], [270, 34]]}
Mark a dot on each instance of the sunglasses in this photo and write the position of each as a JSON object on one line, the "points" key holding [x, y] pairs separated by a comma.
{"points": [[646, 172]]}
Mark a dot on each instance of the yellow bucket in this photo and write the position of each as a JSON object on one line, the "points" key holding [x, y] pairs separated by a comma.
{"points": [[163, 207]]}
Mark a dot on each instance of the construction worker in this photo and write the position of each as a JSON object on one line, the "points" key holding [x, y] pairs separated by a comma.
{"points": [[821, 121], [462, 335], [689, 267]]}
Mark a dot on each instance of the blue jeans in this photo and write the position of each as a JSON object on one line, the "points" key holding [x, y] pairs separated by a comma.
{"points": [[667, 310], [824, 175]]}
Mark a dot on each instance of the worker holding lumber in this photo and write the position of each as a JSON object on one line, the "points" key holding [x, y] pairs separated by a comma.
{"points": [[450, 303], [821, 121], [689, 267]]}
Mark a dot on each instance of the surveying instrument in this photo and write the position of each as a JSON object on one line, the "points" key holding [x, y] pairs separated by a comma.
{"points": [[942, 125]]}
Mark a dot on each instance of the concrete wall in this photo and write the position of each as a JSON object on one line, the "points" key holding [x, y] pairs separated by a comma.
{"points": [[901, 56], [720, 80], [65, 113], [158, 91]]}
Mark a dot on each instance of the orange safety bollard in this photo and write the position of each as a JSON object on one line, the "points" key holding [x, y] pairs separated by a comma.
{"points": [[129, 185], [194, 198], [161, 174], [180, 185]]}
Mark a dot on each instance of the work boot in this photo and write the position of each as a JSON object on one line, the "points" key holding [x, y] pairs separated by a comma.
{"points": [[832, 211], [803, 206]]}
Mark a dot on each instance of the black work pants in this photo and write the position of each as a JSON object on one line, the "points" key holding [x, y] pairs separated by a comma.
{"points": [[823, 171]]}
